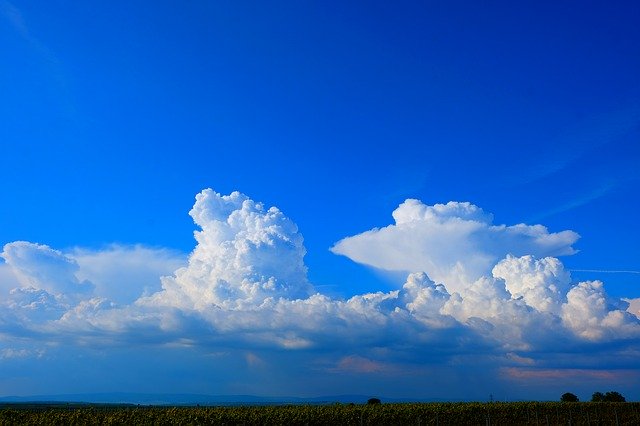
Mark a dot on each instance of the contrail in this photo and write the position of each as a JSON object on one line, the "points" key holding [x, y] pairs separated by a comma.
{"points": [[605, 271]]}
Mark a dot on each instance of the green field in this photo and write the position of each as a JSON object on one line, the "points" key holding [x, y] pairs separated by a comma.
{"points": [[516, 413]]}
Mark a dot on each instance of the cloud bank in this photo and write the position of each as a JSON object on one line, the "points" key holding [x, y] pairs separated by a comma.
{"points": [[473, 289]]}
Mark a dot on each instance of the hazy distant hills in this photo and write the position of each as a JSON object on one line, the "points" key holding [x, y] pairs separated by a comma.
{"points": [[187, 399]]}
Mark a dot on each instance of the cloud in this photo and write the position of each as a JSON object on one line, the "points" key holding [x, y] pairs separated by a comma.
{"points": [[454, 243], [246, 279], [358, 364], [119, 273], [8, 280], [41, 267], [12, 353], [591, 314], [634, 306], [563, 374], [606, 271], [541, 283], [36, 305], [13, 15], [124, 273], [54, 294], [245, 255], [244, 291]]}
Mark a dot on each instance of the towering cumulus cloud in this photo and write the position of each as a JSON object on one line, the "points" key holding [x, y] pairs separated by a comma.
{"points": [[245, 255], [473, 289], [455, 243]]}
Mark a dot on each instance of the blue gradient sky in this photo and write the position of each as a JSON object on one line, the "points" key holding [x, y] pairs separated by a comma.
{"points": [[114, 115]]}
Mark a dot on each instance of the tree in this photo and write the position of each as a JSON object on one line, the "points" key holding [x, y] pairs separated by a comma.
{"points": [[597, 397], [614, 397], [569, 397], [373, 401]]}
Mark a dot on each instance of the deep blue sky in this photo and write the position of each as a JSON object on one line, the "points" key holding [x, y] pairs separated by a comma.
{"points": [[114, 115]]}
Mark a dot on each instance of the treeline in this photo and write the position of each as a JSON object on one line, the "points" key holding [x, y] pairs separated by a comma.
{"points": [[596, 397]]}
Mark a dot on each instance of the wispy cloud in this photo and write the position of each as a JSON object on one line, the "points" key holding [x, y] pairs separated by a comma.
{"points": [[579, 201], [55, 73], [605, 271], [15, 18], [576, 141]]}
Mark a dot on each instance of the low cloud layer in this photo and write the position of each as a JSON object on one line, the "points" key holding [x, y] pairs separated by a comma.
{"points": [[473, 289]]}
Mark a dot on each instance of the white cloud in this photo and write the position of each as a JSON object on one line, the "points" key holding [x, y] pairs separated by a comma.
{"points": [[12, 353], [591, 314], [245, 254], [425, 299], [454, 243], [36, 305], [41, 267], [8, 280], [119, 273], [124, 273], [634, 306], [245, 286], [542, 283]]}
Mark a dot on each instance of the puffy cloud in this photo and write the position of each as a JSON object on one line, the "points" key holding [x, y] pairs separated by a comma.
{"points": [[245, 254], [41, 267], [245, 286], [36, 304], [454, 243], [50, 294], [591, 314], [425, 299], [541, 283]]}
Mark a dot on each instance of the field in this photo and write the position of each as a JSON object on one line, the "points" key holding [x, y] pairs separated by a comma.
{"points": [[517, 413]]}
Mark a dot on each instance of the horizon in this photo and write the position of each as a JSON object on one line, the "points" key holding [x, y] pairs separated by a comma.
{"points": [[235, 198], [188, 399]]}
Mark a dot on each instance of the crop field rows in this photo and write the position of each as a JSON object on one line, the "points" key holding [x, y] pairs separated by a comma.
{"points": [[518, 413]]}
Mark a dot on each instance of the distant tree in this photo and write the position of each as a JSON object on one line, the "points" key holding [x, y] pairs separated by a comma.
{"points": [[374, 401], [614, 397], [569, 397], [597, 397]]}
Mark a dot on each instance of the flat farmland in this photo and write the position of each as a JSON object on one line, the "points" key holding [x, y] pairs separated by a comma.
{"points": [[496, 413]]}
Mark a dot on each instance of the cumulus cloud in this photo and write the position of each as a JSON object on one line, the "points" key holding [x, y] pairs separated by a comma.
{"points": [[593, 315], [472, 288], [245, 255], [454, 243], [48, 292], [247, 277], [541, 283], [36, 304], [41, 267]]}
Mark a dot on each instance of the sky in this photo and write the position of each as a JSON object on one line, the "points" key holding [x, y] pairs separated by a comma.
{"points": [[407, 199]]}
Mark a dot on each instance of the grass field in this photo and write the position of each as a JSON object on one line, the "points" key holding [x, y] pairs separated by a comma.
{"points": [[517, 413]]}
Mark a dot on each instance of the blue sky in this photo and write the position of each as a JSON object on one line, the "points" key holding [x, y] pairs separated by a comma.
{"points": [[115, 116]]}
